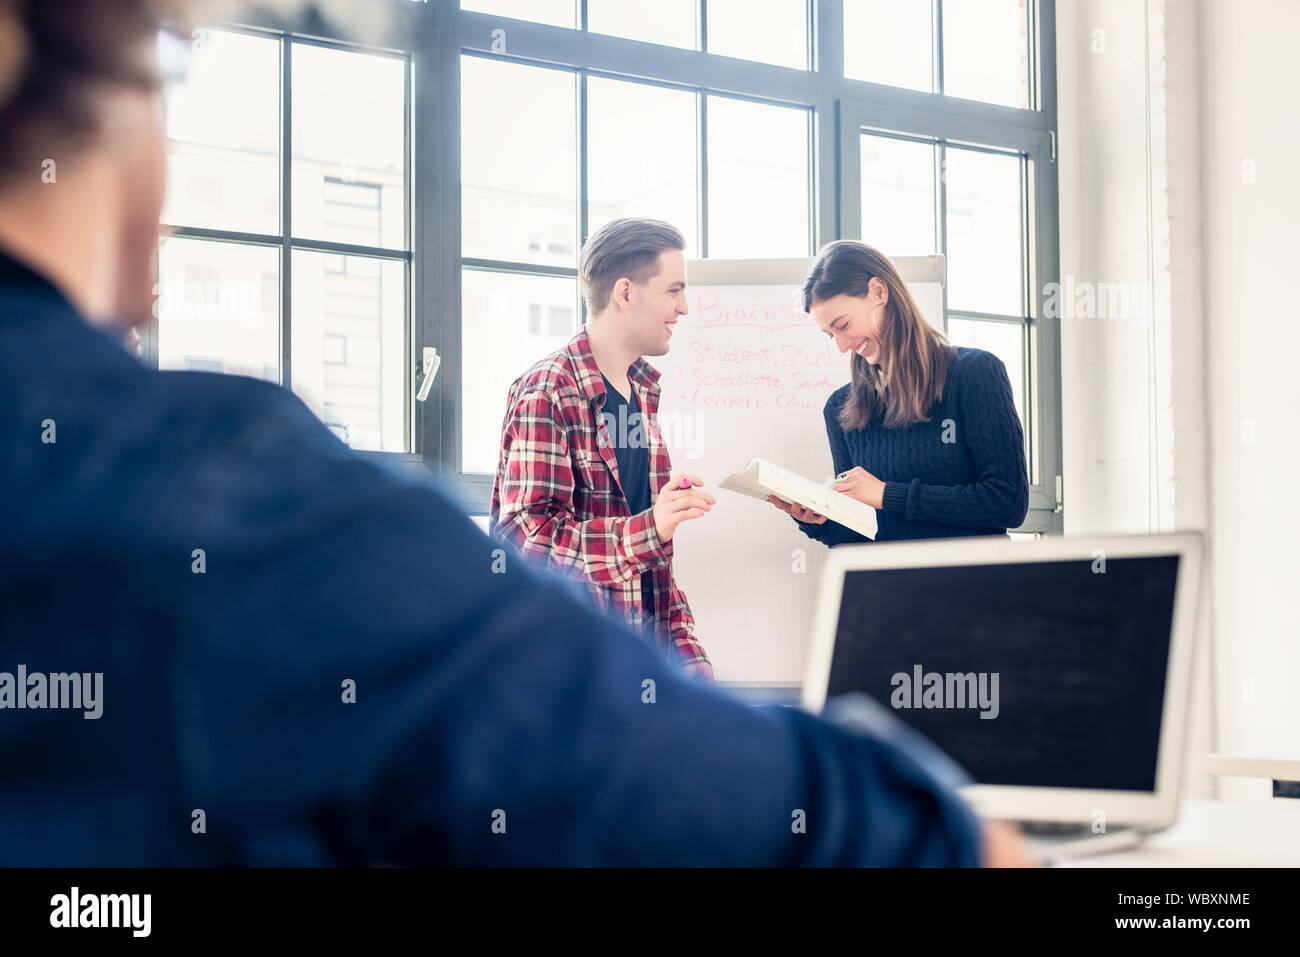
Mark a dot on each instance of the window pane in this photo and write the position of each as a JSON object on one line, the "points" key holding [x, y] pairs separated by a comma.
{"points": [[984, 242], [670, 22], [502, 339], [348, 147], [986, 51], [655, 184], [759, 193], [219, 307], [1006, 340], [898, 196], [223, 163], [558, 13], [349, 346], [770, 31], [889, 42], [519, 163]]}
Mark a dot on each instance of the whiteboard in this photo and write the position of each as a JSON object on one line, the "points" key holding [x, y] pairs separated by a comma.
{"points": [[748, 374]]}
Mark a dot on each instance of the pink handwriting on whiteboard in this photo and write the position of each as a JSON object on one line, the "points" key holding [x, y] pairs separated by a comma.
{"points": [[703, 353], [711, 312]]}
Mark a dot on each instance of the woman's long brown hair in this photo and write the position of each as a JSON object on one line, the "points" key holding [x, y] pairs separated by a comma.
{"points": [[915, 356]]}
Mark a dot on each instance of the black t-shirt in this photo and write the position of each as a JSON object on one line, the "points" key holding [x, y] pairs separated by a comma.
{"points": [[632, 451], [631, 446]]}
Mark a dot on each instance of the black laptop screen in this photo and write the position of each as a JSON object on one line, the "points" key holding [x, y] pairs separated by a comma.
{"points": [[1048, 674]]}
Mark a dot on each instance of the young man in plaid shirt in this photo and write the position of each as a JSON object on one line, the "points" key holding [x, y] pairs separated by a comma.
{"points": [[583, 481]]}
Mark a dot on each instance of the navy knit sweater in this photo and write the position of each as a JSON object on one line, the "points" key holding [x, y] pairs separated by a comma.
{"points": [[971, 481]]}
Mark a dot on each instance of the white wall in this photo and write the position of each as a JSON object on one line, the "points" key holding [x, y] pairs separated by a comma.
{"points": [[1161, 103], [1108, 426], [1250, 150]]}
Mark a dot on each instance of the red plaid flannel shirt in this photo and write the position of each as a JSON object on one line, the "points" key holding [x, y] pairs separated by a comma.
{"points": [[557, 494]]}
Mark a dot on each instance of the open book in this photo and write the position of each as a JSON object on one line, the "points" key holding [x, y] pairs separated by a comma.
{"points": [[760, 479]]}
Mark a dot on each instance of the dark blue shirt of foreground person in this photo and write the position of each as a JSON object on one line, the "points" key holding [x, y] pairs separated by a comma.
{"points": [[317, 654]]}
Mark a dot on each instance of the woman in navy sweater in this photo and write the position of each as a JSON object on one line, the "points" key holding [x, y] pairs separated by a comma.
{"points": [[927, 433]]}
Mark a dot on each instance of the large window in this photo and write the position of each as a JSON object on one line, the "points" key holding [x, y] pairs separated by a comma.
{"points": [[364, 208], [919, 127], [287, 257]]}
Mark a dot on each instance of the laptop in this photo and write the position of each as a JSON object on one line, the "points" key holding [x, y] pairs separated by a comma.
{"points": [[1055, 672]]}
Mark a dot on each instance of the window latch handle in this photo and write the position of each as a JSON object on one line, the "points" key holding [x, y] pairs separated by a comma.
{"points": [[430, 371]]}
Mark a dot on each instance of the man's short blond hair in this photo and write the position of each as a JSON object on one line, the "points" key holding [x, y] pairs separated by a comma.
{"points": [[623, 248]]}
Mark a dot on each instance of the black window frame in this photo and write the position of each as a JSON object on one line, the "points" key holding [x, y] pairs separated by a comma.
{"points": [[402, 40]]}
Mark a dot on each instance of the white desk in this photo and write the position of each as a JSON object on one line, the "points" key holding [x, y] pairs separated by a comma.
{"points": [[1208, 833]]}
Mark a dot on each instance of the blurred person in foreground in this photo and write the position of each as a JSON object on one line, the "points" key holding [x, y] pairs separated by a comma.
{"points": [[310, 650]]}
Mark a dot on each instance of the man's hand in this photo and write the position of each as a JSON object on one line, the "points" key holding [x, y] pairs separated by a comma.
{"points": [[676, 504], [1003, 845]]}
